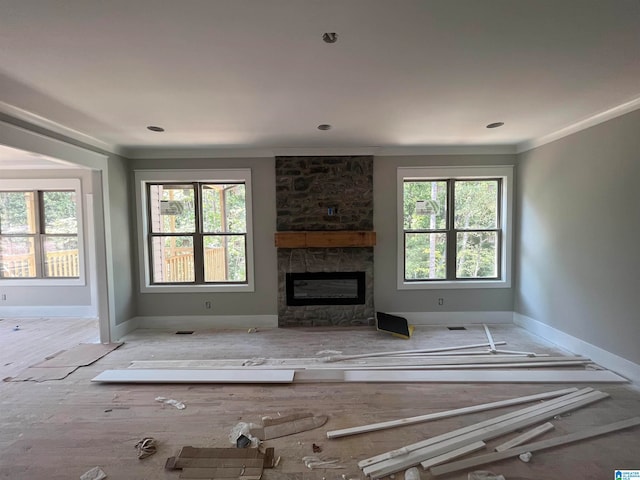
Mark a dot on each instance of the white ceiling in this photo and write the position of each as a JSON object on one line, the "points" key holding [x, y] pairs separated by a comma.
{"points": [[241, 74]]}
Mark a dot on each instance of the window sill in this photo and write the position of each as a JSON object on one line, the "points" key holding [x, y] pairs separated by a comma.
{"points": [[453, 285], [247, 288], [42, 282]]}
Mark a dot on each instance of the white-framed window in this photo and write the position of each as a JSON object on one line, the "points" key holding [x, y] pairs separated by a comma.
{"points": [[195, 230], [454, 227], [41, 232]]}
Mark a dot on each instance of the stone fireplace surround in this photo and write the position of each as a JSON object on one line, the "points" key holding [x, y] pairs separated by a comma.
{"points": [[320, 194]]}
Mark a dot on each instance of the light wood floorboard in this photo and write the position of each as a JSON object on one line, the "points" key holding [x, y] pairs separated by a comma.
{"points": [[60, 429]]}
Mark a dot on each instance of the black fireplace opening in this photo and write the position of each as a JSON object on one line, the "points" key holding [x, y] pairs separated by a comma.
{"points": [[326, 288]]}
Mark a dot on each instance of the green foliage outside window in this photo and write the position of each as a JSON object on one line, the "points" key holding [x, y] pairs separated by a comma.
{"points": [[451, 223]]}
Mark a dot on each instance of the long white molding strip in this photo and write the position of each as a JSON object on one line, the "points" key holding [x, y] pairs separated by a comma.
{"points": [[392, 466], [484, 376], [458, 452], [563, 400], [492, 345], [533, 447], [195, 376], [570, 397], [525, 437], [339, 358], [303, 363], [447, 414]]}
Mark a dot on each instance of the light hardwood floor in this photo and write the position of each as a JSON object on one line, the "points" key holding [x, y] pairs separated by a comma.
{"points": [[60, 429]]}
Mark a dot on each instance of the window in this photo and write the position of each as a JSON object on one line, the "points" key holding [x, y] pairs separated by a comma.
{"points": [[196, 229], [454, 227], [40, 231]]}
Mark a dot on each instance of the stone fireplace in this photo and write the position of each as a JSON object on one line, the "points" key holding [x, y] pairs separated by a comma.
{"points": [[325, 240]]}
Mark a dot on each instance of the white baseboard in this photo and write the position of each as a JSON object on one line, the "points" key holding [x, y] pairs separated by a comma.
{"points": [[121, 329], [200, 322], [609, 360], [68, 311], [456, 318]]}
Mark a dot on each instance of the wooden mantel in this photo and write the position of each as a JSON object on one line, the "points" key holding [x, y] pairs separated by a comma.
{"points": [[319, 239]]}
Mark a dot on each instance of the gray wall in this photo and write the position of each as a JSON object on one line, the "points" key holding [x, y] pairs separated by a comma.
{"points": [[578, 254], [122, 230], [263, 301], [387, 297]]}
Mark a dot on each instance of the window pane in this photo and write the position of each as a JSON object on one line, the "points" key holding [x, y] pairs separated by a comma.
{"points": [[225, 258], [60, 213], [425, 256], [17, 257], [172, 259], [61, 257], [425, 205], [224, 208], [477, 255], [172, 209], [17, 212], [476, 204]]}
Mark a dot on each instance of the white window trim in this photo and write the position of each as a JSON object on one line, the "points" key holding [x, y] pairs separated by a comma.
{"points": [[44, 184], [142, 177], [505, 172]]}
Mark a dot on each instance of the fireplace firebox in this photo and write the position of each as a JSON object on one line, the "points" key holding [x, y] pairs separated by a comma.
{"points": [[326, 288]]}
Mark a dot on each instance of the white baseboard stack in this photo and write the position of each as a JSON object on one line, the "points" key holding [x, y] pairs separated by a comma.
{"points": [[436, 453]]}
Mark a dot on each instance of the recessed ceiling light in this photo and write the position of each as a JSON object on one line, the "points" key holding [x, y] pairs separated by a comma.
{"points": [[153, 128], [324, 126], [330, 37], [495, 125]]}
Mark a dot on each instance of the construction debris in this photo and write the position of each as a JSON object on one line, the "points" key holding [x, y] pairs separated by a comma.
{"points": [[287, 425], [95, 473], [171, 401], [312, 462], [201, 463], [146, 447], [410, 455], [393, 324], [484, 475]]}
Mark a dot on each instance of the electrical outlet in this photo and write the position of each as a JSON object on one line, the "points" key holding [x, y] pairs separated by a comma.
{"points": [[440, 301], [207, 304]]}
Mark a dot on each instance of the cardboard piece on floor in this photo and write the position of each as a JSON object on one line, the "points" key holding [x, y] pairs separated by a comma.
{"points": [[244, 463], [39, 374], [79, 356], [393, 324], [63, 363]]}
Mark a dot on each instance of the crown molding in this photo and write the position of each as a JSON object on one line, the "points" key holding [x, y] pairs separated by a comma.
{"points": [[143, 153], [579, 126], [55, 127]]}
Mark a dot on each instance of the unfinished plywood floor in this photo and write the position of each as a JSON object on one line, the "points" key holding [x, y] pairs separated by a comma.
{"points": [[60, 429]]}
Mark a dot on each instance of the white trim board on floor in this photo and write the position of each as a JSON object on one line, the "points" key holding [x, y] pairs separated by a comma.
{"points": [[573, 344], [200, 322], [194, 376], [483, 376], [534, 447], [447, 413], [375, 376]]}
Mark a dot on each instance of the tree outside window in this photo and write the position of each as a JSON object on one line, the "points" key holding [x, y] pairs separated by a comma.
{"points": [[197, 232], [452, 229], [39, 234]]}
